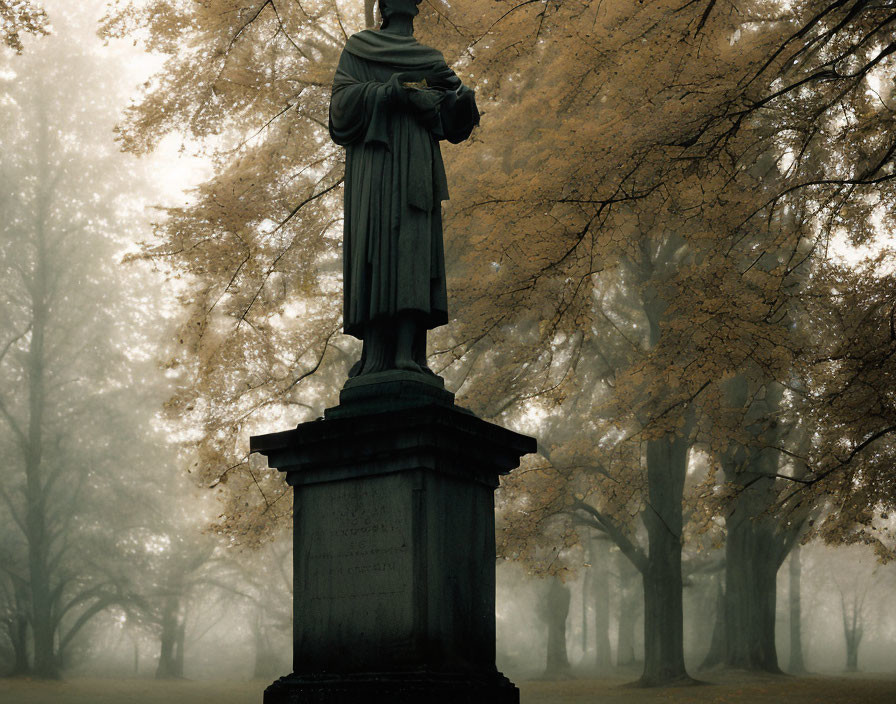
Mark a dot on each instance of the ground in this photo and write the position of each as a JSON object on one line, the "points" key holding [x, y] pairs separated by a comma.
{"points": [[724, 688]]}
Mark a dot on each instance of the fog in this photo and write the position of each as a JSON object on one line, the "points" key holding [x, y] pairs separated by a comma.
{"points": [[830, 577], [129, 552]]}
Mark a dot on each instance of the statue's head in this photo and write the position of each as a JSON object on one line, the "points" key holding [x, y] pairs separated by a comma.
{"points": [[389, 8]]}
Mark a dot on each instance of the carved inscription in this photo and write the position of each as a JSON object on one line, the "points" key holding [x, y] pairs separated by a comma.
{"points": [[360, 549]]}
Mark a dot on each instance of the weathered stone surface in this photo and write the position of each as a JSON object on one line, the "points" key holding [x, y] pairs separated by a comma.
{"points": [[354, 572], [394, 549]]}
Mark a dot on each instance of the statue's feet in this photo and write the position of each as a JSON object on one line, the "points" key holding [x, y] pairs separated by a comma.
{"points": [[376, 355], [393, 343]]}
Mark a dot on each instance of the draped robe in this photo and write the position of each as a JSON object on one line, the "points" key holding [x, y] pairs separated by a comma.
{"points": [[393, 253]]}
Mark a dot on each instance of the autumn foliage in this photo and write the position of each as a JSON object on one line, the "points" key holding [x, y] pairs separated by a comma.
{"points": [[664, 201]]}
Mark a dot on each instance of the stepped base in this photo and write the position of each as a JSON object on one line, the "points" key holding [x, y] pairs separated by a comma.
{"points": [[393, 688], [392, 390]]}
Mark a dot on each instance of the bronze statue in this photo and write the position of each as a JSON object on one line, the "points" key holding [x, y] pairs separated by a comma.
{"points": [[393, 101]]}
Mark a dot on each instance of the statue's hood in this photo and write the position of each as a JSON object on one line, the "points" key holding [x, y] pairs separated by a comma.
{"points": [[392, 49]]}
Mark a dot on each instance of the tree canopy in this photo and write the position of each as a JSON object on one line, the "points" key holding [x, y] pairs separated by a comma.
{"points": [[669, 238]]}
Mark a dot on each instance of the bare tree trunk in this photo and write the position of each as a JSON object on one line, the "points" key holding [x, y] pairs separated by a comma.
{"points": [[17, 628], [42, 626], [267, 664], [556, 612], [751, 567], [19, 637], [716, 654], [757, 543], [853, 629], [586, 590], [628, 611], [168, 657], [601, 591], [179, 649], [852, 654], [663, 617], [797, 663]]}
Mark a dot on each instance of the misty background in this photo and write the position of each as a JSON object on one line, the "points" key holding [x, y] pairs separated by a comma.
{"points": [[107, 517]]}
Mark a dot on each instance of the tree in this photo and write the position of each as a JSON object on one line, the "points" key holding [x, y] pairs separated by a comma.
{"points": [[627, 612], [852, 589], [599, 553], [774, 161], [738, 327], [853, 628], [555, 614], [636, 164], [580, 491], [797, 664], [711, 128], [274, 215], [268, 584], [757, 539], [70, 410], [172, 569], [851, 406]]}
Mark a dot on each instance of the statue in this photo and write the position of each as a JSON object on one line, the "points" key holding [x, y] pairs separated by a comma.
{"points": [[393, 101]]}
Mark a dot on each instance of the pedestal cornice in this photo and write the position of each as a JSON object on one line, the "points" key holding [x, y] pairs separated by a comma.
{"points": [[439, 437]]}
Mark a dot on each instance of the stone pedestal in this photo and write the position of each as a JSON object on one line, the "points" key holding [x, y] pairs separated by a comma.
{"points": [[394, 547]]}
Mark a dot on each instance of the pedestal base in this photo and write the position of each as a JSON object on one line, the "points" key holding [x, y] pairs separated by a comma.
{"points": [[393, 688], [394, 547]]}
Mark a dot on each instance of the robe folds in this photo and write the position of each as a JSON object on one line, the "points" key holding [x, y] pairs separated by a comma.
{"points": [[393, 253]]}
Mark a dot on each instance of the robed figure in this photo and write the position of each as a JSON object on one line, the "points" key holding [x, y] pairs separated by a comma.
{"points": [[393, 101]]}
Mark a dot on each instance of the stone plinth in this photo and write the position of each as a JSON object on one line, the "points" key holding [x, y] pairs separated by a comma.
{"points": [[394, 548]]}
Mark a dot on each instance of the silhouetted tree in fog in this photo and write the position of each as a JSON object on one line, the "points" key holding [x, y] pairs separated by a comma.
{"points": [[72, 408]]}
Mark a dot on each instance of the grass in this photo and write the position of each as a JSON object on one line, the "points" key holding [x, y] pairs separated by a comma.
{"points": [[721, 688]]}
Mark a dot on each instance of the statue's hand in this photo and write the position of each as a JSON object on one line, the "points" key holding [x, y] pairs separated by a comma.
{"points": [[425, 104], [396, 93], [444, 79]]}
